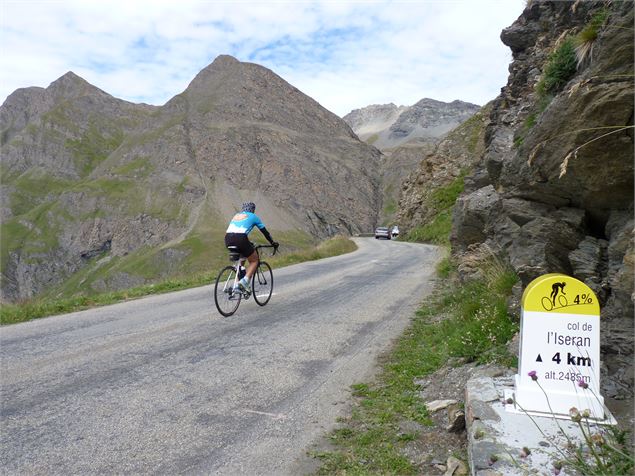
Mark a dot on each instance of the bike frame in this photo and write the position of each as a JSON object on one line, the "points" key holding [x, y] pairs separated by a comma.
{"points": [[240, 261], [237, 265]]}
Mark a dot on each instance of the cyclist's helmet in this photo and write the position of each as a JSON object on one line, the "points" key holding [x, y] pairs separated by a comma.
{"points": [[249, 207]]}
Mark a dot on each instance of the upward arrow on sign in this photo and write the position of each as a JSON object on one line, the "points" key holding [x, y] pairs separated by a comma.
{"points": [[539, 359]]}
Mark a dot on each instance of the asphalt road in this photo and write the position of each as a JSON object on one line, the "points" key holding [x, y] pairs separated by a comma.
{"points": [[166, 385]]}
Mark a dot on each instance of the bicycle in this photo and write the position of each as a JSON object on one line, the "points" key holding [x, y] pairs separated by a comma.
{"points": [[227, 294], [548, 305]]}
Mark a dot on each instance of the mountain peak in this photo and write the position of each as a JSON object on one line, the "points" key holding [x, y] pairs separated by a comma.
{"points": [[224, 60], [72, 85], [220, 64], [233, 89], [68, 79], [70, 76]]}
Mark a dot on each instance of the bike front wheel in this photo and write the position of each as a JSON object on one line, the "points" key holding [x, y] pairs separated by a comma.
{"points": [[262, 283], [226, 299]]}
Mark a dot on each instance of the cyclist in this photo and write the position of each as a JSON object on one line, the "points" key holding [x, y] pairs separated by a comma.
{"points": [[239, 227]]}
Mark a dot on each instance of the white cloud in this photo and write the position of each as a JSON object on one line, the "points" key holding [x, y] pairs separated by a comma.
{"points": [[345, 54]]}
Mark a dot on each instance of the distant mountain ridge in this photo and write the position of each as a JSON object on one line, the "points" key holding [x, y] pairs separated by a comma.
{"points": [[101, 194], [405, 135], [28, 108], [387, 126]]}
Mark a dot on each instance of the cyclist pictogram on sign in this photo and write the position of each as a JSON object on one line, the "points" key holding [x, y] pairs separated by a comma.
{"points": [[558, 298]]}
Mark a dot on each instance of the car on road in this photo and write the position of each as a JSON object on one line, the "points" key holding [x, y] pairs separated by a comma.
{"points": [[382, 232], [395, 231]]}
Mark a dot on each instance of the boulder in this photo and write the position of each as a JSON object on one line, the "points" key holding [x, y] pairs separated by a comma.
{"points": [[472, 215]]}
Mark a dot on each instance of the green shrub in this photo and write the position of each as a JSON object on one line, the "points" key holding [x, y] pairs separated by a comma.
{"points": [[560, 68], [591, 30], [585, 40], [444, 197], [437, 231]]}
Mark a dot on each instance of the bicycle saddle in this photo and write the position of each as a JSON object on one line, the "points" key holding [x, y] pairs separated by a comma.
{"points": [[234, 255]]}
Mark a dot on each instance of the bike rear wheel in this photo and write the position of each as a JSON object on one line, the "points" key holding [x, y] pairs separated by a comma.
{"points": [[226, 300], [262, 283]]}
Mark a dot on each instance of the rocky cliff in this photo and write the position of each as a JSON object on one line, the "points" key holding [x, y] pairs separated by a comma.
{"points": [[99, 194], [553, 191], [442, 167], [370, 121]]}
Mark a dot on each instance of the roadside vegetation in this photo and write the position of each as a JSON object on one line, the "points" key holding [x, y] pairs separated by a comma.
{"points": [[437, 230], [460, 323], [36, 308]]}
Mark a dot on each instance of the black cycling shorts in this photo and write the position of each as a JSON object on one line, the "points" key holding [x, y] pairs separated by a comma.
{"points": [[240, 240]]}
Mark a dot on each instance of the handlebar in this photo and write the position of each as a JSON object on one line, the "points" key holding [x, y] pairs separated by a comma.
{"points": [[275, 248]]}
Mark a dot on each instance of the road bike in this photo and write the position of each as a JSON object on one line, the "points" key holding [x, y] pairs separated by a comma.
{"points": [[227, 294], [548, 304]]}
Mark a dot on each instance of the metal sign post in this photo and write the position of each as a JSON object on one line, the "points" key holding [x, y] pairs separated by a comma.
{"points": [[559, 358]]}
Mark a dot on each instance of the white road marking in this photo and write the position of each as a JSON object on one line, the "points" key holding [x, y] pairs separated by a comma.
{"points": [[276, 416]]}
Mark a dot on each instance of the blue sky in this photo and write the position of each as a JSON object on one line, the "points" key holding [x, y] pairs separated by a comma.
{"points": [[344, 54]]}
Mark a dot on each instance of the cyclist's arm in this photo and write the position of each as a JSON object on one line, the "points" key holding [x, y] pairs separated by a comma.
{"points": [[261, 226], [267, 235]]}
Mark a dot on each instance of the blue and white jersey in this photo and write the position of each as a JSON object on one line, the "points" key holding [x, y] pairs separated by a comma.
{"points": [[244, 222]]}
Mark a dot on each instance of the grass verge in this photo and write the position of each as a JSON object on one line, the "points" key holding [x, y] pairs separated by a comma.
{"points": [[466, 322], [14, 313], [338, 245], [436, 232], [441, 200]]}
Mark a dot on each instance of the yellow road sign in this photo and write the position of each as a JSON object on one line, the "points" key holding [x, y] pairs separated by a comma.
{"points": [[558, 293]]}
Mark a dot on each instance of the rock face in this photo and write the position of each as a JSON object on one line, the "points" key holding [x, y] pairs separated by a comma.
{"points": [[372, 120], [397, 165], [450, 160], [406, 135], [554, 189], [388, 126], [100, 194]]}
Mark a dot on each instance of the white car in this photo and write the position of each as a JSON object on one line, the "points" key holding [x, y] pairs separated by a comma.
{"points": [[395, 231], [382, 232]]}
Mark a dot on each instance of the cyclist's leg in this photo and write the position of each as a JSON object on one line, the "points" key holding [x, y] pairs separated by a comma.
{"points": [[253, 264], [246, 249]]}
